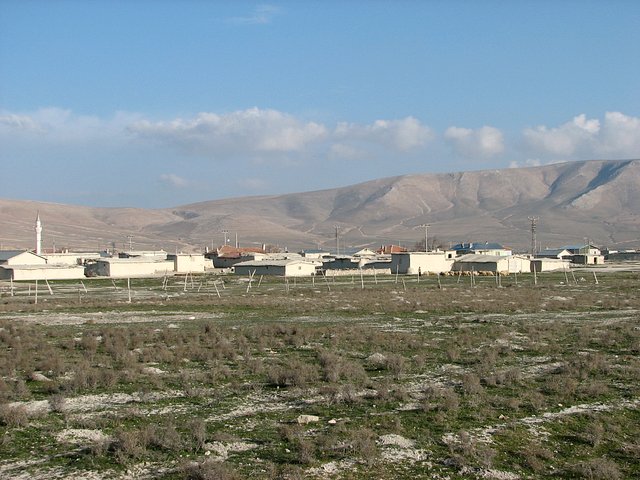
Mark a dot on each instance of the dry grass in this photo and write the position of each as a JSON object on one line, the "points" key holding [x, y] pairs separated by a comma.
{"points": [[177, 392]]}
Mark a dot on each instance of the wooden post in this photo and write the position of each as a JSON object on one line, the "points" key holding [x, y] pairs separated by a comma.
{"points": [[397, 270], [459, 275], [404, 286], [375, 277], [260, 280], [251, 274], [216, 287], [184, 289], [574, 277], [49, 287], [129, 288], [595, 278], [324, 274], [114, 284], [535, 275], [439, 284], [11, 281], [36, 301], [362, 279], [83, 286], [566, 277]]}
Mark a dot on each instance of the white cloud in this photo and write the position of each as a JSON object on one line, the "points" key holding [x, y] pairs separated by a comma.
{"points": [[261, 15], [485, 141], [616, 136], [12, 122], [531, 162], [620, 135], [564, 140], [245, 131], [174, 180], [61, 126], [403, 135], [346, 152]]}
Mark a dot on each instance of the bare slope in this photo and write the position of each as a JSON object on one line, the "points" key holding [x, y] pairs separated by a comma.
{"points": [[598, 200]]}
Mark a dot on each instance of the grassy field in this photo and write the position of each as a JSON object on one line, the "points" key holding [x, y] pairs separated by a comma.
{"points": [[216, 378]]}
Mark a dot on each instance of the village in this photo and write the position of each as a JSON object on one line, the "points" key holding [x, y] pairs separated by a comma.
{"points": [[475, 258]]}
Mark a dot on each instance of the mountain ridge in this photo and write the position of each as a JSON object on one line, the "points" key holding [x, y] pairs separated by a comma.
{"points": [[593, 200]]}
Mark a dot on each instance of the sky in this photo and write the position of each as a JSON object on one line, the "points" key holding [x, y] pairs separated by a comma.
{"points": [[163, 103]]}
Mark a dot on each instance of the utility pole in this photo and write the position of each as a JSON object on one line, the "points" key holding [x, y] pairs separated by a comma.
{"points": [[337, 241], [225, 232], [426, 235], [534, 226], [130, 237]]}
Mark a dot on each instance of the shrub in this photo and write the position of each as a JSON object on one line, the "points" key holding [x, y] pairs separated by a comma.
{"points": [[598, 469], [129, 444], [295, 374], [208, 470], [57, 402], [14, 415], [197, 433], [395, 364], [363, 444]]}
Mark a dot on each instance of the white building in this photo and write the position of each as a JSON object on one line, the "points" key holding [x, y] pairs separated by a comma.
{"points": [[25, 265], [283, 268], [130, 267], [189, 262], [482, 248], [70, 258], [41, 272], [492, 263], [549, 264], [414, 263], [21, 257]]}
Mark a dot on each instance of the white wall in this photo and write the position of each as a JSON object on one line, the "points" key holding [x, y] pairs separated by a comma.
{"points": [[424, 262]]}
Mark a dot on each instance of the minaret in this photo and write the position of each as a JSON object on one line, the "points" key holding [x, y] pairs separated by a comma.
{"points": [[38, 235]]}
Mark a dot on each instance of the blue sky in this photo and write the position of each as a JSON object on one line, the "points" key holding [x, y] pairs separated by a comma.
{"points": [[162, 103]]}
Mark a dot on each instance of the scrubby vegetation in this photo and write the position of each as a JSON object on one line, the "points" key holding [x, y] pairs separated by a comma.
{"points": [[386, 382]]}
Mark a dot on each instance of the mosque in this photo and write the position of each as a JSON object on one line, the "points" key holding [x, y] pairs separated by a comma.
{"points": [[35, 265], [30, 265]]}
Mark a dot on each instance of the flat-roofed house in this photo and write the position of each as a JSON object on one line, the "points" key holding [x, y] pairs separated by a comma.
{"points": [[546, 264], [284, 268], [481, 248], [414, 263], [189, 262], [492, 263], [71, 258], [41, 272], [26, 265], [130, 267], [585, 254]]}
